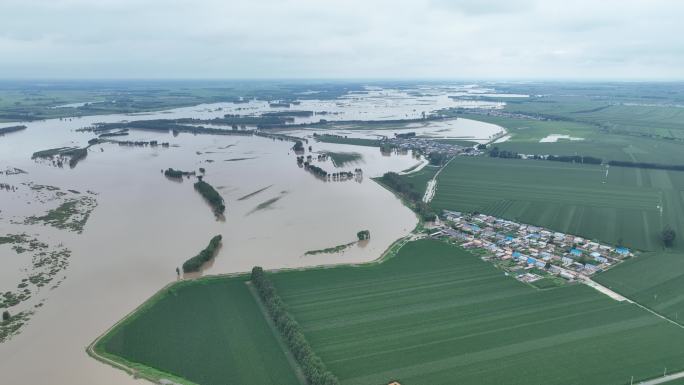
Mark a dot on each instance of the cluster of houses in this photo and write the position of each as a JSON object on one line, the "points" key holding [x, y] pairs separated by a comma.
{"points": [[430, 145], [527, 252]]}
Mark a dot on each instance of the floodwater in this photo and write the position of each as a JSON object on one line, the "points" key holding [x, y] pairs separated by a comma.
{"points": [[146, 225]]}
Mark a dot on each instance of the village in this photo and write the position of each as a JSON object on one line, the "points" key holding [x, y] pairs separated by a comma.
{"points": [[427, 145], [531, 254]]}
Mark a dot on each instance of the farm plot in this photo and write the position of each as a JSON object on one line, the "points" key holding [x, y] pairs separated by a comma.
{"points": [[208, 332], [655, 280], [619, 206], [435, 314]]}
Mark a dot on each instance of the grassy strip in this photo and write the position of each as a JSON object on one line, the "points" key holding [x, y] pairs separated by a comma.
{"points": [[330, 250], [242, 198], [196, 262], [326, 138], [264, 205], [312, 366]]}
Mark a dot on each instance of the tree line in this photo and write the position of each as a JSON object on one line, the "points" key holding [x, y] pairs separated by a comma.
{"points": [[211, 195], [7, 130], [312, 366], [196, 262], [395, 182], [178, 174]]}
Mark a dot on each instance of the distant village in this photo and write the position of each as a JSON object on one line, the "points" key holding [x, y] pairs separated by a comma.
{"points": [[426, 145], [529, 253]]}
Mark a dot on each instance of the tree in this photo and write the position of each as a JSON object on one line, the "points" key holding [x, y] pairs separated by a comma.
{"points": [[668, 236], [5, 315], [298, 146]]}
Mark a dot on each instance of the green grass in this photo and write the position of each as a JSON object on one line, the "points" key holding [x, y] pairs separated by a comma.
{"points": [[435, 314], [569, 198], [420, 178], [209, 331]]}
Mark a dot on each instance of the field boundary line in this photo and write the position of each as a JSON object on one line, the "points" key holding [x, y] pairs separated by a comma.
{"points": [[619, 297], [271, 325]]}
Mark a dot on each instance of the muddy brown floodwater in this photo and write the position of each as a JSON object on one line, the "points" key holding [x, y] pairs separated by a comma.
{"points": [[145, 225]]}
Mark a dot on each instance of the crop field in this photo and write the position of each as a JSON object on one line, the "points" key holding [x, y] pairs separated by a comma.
{"points": [[436, 314], [570, 198], [209, 332], [526, 134], [641, 117], [655, 280]]}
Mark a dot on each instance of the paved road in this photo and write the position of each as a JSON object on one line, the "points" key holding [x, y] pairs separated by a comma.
{"points": [[432, 183]]}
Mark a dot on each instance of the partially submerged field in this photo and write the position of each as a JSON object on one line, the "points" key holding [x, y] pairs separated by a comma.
{"points": [[435, 314], [209, 331], [570, 198]]}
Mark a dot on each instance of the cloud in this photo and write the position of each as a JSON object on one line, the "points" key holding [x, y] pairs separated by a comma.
{"points": [[351, 38], [485, 7]]}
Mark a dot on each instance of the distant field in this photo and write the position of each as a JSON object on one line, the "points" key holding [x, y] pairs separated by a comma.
{"points": [[526, 134], [645, 116], [435, 314], [569, 198], [655, 280], [210, 332]]}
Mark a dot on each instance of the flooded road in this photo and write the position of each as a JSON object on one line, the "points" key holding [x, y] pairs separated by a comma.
{"points": [[145, 225]]}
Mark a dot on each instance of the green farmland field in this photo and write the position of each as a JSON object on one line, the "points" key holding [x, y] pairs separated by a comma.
{"points": [[568, 197], [655, 280], [436, 314], [210, 332], [526, 133]]}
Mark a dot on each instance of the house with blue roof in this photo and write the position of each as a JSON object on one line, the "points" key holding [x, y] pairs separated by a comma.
{"points": [[622, 250], [575, 252]]}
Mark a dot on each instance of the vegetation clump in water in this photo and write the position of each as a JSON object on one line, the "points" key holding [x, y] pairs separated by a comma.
{"points": [[212, 196], [195, 263], [71, 215], [177, 174], [341, 158], [7, 130]]}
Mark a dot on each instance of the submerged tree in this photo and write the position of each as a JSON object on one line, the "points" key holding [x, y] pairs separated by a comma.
{"points": [[5, 315]]}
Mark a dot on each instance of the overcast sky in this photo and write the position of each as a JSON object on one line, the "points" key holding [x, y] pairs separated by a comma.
{"points": [[455, 39]]}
